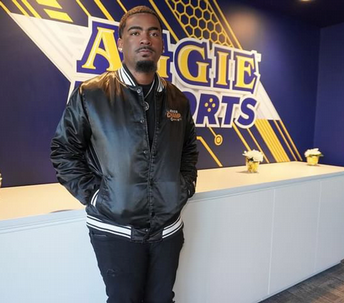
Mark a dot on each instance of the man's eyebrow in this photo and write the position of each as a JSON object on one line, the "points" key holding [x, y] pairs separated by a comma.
{"points": [[153, 28], [135, 27]]}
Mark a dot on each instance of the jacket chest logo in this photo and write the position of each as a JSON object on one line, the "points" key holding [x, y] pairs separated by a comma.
{"points": [[173, 115]]}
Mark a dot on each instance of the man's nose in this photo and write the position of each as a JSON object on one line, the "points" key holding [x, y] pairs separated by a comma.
{"points": [[145, 39]]}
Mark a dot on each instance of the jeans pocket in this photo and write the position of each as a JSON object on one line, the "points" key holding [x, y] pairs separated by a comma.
{"points": [[97, 236]]}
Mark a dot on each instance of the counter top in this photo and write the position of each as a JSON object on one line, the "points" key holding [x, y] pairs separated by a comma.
{"points": [[236, 179], [24, 201], [32, 200]]}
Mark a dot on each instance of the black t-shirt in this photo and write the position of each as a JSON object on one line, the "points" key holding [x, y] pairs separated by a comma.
{"points": [[149, 93]]}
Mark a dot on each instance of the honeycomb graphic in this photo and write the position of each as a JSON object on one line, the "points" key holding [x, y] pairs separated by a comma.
{"points": [[199, 20]]}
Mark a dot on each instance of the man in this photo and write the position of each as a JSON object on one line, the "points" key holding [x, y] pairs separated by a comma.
{"points": [[126, 148]]}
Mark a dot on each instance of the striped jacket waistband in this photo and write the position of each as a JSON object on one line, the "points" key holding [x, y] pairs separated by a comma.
{"points": [[130, 232]]}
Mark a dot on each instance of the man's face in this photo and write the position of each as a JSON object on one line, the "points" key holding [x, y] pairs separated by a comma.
{"points": [[141, 42]]}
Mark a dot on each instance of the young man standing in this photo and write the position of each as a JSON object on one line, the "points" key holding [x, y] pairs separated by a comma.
{"points": [[126, 148]]}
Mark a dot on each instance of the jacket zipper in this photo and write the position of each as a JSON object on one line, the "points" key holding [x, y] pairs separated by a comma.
{"points": [[150, 150]]}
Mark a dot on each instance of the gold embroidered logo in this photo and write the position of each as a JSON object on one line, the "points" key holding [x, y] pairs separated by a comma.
{"points": [[173, 115]]}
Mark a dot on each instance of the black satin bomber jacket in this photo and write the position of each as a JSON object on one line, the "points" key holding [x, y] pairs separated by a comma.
{"points": [[101, 154]]}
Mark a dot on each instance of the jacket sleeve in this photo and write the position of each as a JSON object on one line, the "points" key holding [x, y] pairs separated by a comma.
{"points": [[68, 151], [189, 155]]}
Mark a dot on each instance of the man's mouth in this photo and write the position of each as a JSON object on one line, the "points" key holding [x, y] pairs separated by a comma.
{"points": [[145, 49]]}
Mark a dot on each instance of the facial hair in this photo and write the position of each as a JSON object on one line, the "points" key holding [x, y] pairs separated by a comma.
{"points": [[145, 66]]}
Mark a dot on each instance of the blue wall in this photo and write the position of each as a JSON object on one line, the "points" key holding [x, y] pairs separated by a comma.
{"points": [[289, 66], [329, 126], [32, 96], [33, 91]]}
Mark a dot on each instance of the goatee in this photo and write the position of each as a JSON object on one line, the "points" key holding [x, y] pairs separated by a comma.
{"points": [[145, 66]]}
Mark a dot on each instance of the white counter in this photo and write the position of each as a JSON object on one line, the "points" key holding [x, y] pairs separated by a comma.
{"points": [[33, 200], [236, 179], [248, 236]]}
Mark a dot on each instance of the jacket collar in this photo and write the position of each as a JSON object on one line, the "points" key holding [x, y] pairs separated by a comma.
{"points": [[125, 76]]}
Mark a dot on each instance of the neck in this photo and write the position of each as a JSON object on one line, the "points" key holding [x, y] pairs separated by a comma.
{"points": [[141, 77]]}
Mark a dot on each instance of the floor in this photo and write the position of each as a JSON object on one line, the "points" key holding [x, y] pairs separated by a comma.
{"points": [[326, 287]]}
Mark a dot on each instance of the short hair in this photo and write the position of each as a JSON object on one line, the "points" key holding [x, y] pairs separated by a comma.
{"points": [[136, 10]]}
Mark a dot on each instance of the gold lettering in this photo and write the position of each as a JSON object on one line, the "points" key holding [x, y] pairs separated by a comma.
{"points": [[110, 52], [183, 57], [222, 68], [242, 69]]}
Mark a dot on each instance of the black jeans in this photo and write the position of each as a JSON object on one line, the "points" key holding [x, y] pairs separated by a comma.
{"points": [[138, 272]]}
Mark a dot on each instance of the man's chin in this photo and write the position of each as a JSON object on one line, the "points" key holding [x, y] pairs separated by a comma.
{"points": [[145, 66]]}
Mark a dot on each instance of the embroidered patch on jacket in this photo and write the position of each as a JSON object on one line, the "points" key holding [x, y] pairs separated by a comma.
{"points": [[173, 115]]}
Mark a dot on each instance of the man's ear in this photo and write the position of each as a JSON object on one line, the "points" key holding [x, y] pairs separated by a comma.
{"points": [[120, 44]]}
